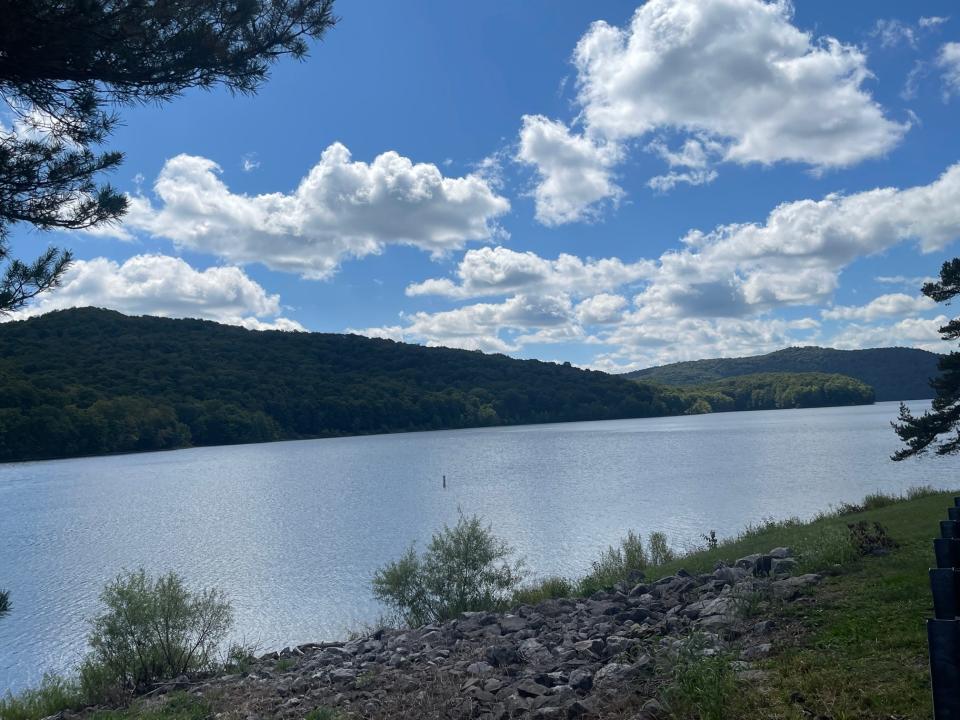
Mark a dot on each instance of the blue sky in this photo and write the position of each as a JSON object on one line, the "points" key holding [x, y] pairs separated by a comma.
{"points": [[614, 184]]}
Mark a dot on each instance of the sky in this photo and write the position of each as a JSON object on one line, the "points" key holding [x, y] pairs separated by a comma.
{"points": [[610, 184]]}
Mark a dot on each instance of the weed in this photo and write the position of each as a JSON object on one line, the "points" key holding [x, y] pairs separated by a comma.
{"points": [[284, 664], [700, 685], [53, 695]]}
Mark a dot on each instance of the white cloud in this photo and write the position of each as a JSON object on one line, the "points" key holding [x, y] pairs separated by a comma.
{"points": [[602, 309], [575, 172], [664, 183], [893, 32], [166, 286], [910, 332], [500, 271], [932, 22], [949, 62], [341, 209], [915, 281], [249, 162], [738, 72], [884, 306], [714, 297], [479, 326], [795, 256], [734, 78]]}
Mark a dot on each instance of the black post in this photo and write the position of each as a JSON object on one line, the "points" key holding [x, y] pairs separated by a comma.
{"points": [[943, 632]]}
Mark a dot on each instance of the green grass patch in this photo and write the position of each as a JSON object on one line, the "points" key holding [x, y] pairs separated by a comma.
{"points": [[50, 697], [175, 706]]}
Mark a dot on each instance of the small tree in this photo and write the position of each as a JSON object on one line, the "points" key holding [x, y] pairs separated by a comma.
{"points": [[920, 432], [465, 568], [152, 630]]}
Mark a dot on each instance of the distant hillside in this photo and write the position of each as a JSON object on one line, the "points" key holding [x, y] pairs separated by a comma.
{"points": [[88, 381], [894, 373], [91, 381]]}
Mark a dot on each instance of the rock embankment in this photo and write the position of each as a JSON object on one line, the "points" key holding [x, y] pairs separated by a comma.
{"points": [[605, 655]]}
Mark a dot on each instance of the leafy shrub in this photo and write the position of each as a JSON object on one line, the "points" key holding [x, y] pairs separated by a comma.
{"points": [[152, 630], [660, 552], [465, 568], [616, 564], [546, 589], [53, 695], [870, 538], [700, 685]]}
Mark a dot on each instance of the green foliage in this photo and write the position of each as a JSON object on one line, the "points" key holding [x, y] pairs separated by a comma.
{"points": [[937, 428], [893, 373], [92, 381], [699, 686], [774, 391], [152, 630], [5, 604], [464, 568], [660, 552], [53, 695]]}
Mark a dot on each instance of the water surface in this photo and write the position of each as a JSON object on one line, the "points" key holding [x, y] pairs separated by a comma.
{"points": [[293, 531]]}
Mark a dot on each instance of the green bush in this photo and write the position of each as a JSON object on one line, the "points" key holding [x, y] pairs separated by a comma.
{"points": [[660, 552], [53, 695], [152, 630], [465, 568]]}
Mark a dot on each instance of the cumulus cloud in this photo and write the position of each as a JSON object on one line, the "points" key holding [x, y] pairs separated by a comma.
{"points": [[713, 297], [734, 78], [169, 287], [884, 306], [911, 332], [948, 60], [575, 171], [343, 208], [500, 271], [480, 326], [795, 256]]}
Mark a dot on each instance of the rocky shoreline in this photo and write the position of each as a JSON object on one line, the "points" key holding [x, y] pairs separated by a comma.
{"points": [[602, 656]]}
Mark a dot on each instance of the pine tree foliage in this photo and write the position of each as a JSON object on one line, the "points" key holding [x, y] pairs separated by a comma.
{"points": [[939, 427], [67, 66]]}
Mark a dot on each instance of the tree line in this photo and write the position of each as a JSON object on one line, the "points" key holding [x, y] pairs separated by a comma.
{"points": [[89, 381]]}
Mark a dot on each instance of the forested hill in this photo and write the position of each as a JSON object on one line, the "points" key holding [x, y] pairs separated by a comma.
{"points": [[90, 381], [894, 373]]}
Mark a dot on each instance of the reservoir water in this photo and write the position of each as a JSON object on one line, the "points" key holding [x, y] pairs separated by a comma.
{"points": [[293, 531]]}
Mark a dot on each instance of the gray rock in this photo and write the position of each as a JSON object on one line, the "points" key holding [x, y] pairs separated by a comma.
{"points": [[783, 566], [581, 679], [479, 668], [780, 553]]}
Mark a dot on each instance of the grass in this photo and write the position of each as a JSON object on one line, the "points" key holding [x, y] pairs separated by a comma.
{"points": [[50, 697], [175, 706]]}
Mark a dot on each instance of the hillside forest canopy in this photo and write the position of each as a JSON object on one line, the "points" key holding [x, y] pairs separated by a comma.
{"points": [[90, 381]]}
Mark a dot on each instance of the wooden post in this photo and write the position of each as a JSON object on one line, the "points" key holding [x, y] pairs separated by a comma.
{"points": [[943, 632]]}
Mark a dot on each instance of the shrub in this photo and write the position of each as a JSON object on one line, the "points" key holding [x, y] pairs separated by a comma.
{"points": [[465, 568], [870, 538], [152, 630], [660, 552], [616, 564], [875, 501], [921, 491], [53, 695], [828, 549]]}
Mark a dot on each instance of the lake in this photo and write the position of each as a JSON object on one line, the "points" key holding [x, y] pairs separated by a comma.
{"points": [[293, 531]]}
